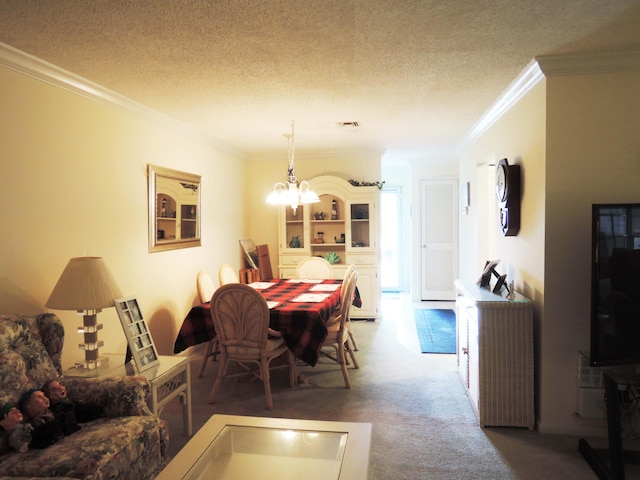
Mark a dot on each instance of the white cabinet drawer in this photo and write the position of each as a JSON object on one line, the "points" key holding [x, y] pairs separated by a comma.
{"points": [[286, 260], [362, 259]]}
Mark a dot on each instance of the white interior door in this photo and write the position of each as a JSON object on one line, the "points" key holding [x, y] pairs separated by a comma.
{"points": [[439, 212]]}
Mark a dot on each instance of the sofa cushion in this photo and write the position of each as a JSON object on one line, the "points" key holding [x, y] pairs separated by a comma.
{"points": [[107, 448], [13, 376], [24, 360]]}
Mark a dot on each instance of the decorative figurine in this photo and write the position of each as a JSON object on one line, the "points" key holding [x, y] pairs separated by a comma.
{"points": [[14, 432], [68, 412], [34, 405], [334, 209]]}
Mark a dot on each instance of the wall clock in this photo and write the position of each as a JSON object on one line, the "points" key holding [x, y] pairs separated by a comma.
{"points": [[508, 193]]}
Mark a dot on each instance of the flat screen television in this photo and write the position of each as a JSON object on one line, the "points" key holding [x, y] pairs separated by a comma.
{"points": [[615, 284]]}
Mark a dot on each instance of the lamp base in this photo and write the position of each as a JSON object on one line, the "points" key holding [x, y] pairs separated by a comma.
{"points": [[91, 345], [92, 364]]}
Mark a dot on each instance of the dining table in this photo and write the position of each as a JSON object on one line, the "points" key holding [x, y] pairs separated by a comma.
{"points": [[299, 309]]}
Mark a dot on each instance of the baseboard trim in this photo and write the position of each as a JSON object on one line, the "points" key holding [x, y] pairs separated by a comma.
{"points": [[586, 427]]}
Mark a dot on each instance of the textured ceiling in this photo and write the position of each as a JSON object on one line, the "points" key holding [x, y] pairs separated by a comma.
{"points": [[416, 75]]}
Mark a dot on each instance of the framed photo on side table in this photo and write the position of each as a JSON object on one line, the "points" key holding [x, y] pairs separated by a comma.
{"points": [[137, 332]]}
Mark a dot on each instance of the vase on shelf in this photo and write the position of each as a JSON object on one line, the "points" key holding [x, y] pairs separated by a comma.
{"points": [[295, 242]]}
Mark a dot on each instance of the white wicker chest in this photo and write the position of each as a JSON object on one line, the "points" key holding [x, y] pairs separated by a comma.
{"points": [[495, 355]]}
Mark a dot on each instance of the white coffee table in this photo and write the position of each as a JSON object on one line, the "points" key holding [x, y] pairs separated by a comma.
{"points": [[233, 447]]}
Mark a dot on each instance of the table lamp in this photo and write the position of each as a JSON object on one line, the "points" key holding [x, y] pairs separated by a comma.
{"points": [[87, 286]]}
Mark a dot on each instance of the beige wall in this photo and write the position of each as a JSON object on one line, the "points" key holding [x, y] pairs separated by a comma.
{"points": [[73, 181], [519, 136], [593, 156]]}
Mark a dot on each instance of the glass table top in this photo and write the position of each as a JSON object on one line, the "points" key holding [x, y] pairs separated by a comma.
{"points": [[233, 447], [266, 453]]}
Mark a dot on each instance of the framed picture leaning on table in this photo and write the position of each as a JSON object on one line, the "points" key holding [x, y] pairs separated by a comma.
{"points": [[137, 332]]}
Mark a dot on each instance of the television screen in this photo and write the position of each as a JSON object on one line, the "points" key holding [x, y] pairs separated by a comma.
{"points": [[615, 285]]}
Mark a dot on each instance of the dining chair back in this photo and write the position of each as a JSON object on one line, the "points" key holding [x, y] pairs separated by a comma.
{"points": [[226, 274], [347, 274], [205, 288], [314, 268], [241, 319], [343, 298], [338, 332]]}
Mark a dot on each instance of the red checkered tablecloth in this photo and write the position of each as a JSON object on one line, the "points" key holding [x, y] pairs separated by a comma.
{"points": [[303, 324]]}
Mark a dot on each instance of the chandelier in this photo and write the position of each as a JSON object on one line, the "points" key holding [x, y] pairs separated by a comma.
{"points": [[292, 193]]}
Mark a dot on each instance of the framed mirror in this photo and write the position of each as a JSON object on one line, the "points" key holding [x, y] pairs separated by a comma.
{"points": [[174, 209]]}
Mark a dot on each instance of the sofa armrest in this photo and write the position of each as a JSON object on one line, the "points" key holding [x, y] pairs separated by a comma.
{"points": [[118, 396], [35, 478]]}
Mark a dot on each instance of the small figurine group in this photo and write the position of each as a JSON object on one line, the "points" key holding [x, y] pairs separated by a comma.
{"points": [[42, 417]]}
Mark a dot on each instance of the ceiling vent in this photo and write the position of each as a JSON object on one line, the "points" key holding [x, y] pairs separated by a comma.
{"points": [[348, 124]]}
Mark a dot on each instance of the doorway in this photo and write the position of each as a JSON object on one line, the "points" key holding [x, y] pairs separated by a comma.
{"points": [[391, 261], [439, 239]]}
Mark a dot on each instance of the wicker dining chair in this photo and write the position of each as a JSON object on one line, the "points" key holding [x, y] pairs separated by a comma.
{"points": [[350, 269], [241, 319], [338, 336], [314, 268], [226, 274]]}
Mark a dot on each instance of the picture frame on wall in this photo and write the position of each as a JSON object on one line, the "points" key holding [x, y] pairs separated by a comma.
{"points": [[136, 330]]}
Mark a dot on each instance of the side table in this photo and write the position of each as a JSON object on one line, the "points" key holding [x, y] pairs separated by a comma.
{"points": [[169, 379], [611, 467]]}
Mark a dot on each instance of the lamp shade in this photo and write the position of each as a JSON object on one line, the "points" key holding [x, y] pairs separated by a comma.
{"points": [[85, 284]]}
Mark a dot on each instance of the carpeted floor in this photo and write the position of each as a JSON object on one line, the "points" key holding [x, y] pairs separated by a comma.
{"points": [[436, 328], [423, 424]]}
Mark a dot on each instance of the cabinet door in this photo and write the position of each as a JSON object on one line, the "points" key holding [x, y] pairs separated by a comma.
{"points": [[474, 358], [294, 235], [368, 288], [361, 224], [462, 336], [287, 272]]}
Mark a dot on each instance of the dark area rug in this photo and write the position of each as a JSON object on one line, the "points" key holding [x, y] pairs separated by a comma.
{"points": [[436, 330]]}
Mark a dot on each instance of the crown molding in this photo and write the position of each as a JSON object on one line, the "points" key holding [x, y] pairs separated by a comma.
{"points": [[585, 64], [551, 65], [39, 69], [523, 83]]}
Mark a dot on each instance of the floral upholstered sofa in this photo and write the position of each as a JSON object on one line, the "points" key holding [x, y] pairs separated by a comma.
{"points": [[127, 442]]}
